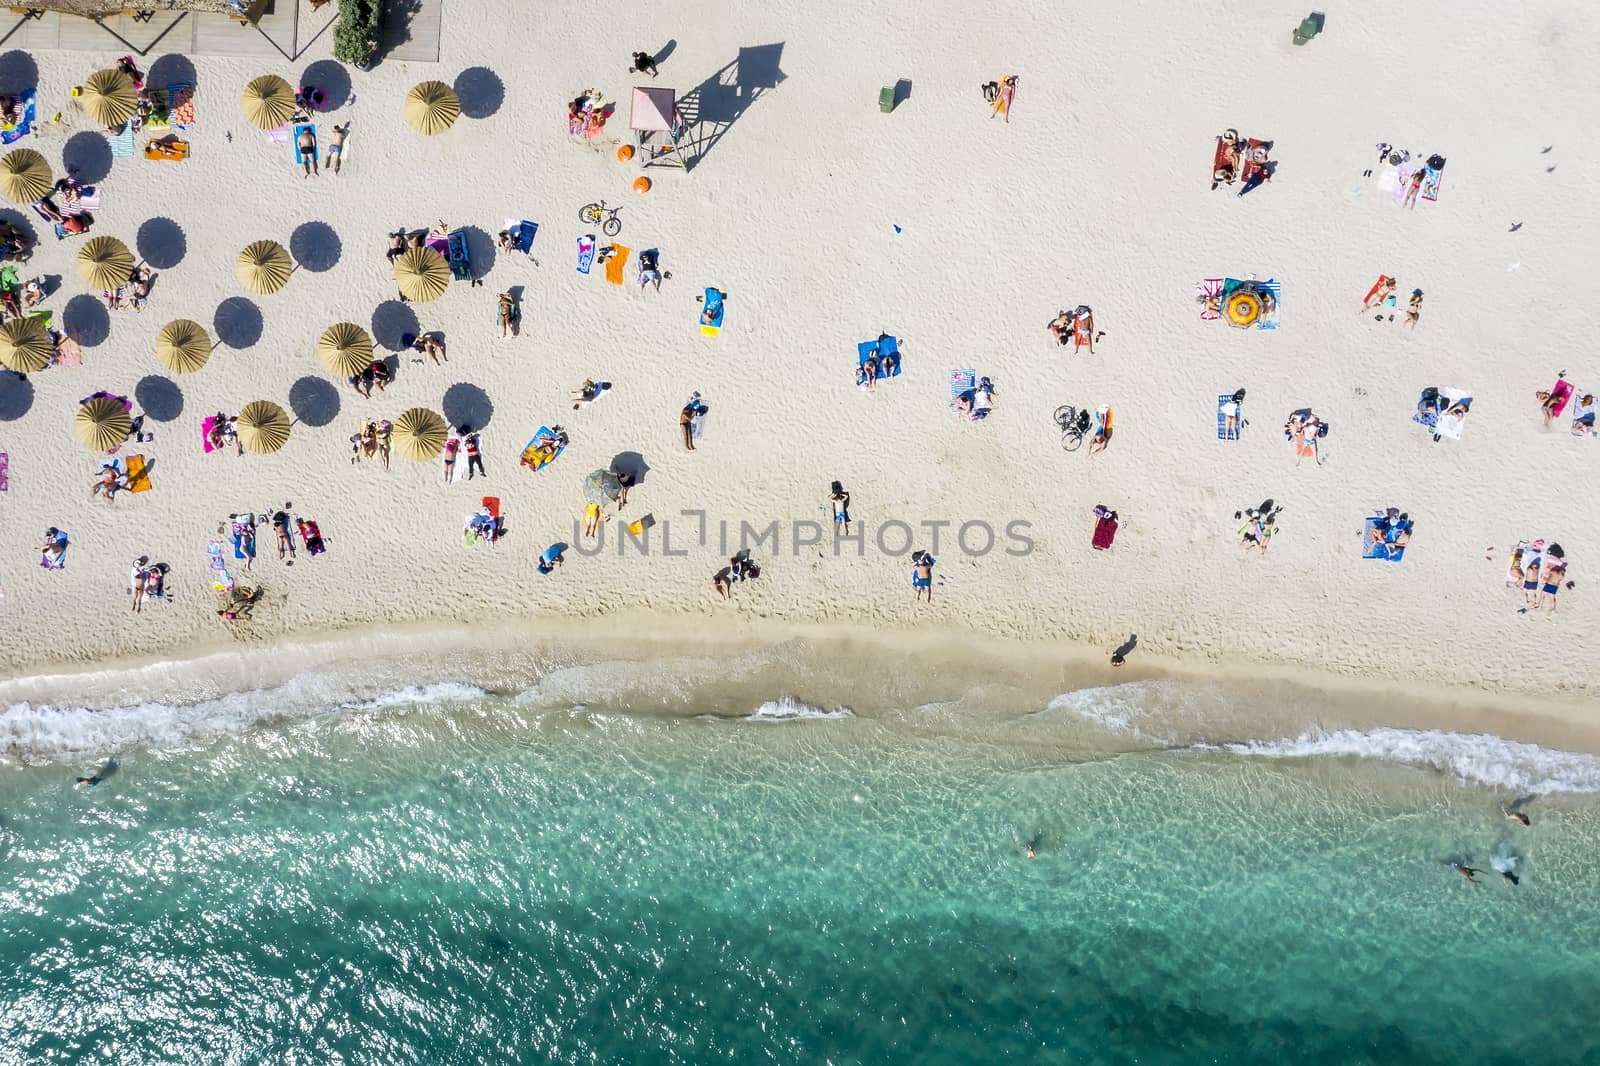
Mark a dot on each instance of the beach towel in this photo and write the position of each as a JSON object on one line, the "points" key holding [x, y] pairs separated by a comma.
{"points": [[1226, 157], [439, 240], [12, 134], [1105, 531], [138, 474], [1430, 183], [221, 580], [279, 135], [181, 98], [122, 142], [459, 471], [1379, 551], [5, 472], [532, 458], [1252, 159], [718, 310], [522, 234], [1437, 420], [1514, 564], [299, 156], [1270, 292], [243, 547], [888, 346], [1082, 332], [585, 254], [1212, 287], [697, 423], [1225, 407], [1560, 393], [88, 200], [1402, 180], [1305, 444], [961, 382], [615, 263], [205, 432], [69, 352], [60, 561]]}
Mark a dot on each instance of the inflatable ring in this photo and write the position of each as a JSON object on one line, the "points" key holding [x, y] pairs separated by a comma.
{"points": [[625, 153], [1242, 309], [641, 184]]}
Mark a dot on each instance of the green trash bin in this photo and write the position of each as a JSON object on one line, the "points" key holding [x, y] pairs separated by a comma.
{"points": [[886, 99]]}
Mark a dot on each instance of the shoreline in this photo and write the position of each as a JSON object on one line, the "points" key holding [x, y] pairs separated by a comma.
{"points": [[1025, 670]]}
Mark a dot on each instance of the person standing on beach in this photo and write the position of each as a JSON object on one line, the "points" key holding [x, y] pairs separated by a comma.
{"points": [[922, 576], [841, 506], [643, 63]]}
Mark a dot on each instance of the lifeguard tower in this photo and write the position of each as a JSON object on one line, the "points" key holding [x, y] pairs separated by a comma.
{"points": [[660, 126]]}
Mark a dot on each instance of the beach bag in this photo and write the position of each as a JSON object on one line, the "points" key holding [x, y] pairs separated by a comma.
{"points": [[1322, 429]]}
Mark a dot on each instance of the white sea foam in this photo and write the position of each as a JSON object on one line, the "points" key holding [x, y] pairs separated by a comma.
{"points": [[789, 709], [37, 733], [1475, 758]]}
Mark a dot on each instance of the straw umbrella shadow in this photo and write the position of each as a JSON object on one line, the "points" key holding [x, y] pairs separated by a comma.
{"points": [[392, 322], [87, 319], [169, 70], [467, 405], [332, 80], [315, 246], [480, 91], [314, 401], [237, 322], [159, 397], [18, 73], [16, 396], [161, 243], [87, 157]]}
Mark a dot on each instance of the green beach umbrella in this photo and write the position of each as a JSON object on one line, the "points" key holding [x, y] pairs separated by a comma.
{"points": [[601, 487]]}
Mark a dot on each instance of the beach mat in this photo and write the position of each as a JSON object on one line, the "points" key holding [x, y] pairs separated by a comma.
{"points": [[713, 300], [122, 142], [1212, 287], [221, 580], [1430, 184], [5, 472], [1377, 551], [1223, 401], [585, 254], [530, 458], [181, 96], [962, 381], [615, 263], [888, 346], [138, 474], [279, 135], [29, 116]]}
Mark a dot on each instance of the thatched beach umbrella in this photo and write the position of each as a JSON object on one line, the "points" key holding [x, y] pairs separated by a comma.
{"points": [[25, 346], [183, 346], [268, 102], [263, 427], [105, 263], [109, 97], [345, 349], [264, 267], [419, 434], [25, 176], [601, 487], [431, 107], [103, 423], [422, 274]]}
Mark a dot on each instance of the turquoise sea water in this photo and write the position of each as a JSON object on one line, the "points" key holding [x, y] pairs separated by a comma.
{"points": [[446, 876]]}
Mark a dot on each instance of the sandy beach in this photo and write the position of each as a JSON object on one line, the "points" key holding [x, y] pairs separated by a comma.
{"points": [[827, 223]]}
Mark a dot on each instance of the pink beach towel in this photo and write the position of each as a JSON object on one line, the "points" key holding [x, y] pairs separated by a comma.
{"points": [[69, 352], [205, 432], [1212, 287], [1560, 393], [5, 472]]}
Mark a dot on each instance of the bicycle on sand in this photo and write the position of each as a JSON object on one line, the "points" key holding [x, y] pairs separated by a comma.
{"points": [[604, 217], [1074, 425]]}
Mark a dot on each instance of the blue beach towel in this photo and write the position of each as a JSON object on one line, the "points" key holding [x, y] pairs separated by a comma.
{"points": [[962, 381], [1269, 312], [25, 127], [888, 346], [1222, 418], [522, 235], [1430, 184], [122, 142], [529, 459], [299, 156], [713, 304], [585, 254], [1370, 550]]}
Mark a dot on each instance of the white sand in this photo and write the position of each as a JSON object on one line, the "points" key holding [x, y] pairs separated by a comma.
{"points": [[1096, 192]]}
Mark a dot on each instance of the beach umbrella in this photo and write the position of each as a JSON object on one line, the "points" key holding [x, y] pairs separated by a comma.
{"points": [[601, 487], [109, 97], [103, 423], [25, 347], [105, 263], [264, 267], [431, 107], [419, 434], [263, 427], [25, 176], [1242, 309], [422, 274], [346, 349], [268, 102], [183, 346]]}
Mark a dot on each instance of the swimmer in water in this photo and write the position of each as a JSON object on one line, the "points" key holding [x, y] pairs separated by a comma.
{"points": [[1466, 871], [90, 781], [1030, 849], [1516, 816], [1511, 877]]}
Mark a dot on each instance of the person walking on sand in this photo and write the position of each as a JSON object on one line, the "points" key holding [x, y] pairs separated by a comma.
{"points": [[922, 576], [643, 63], [1516, 816], [841, 506], [1414, 309], [686, 424], [307, 143], [336, 146]]}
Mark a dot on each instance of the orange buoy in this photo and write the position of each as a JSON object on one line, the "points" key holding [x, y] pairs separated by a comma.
{"points": [[641, 184], [625, 153]]}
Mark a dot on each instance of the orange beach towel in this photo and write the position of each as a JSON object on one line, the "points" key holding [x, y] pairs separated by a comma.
{"points": [[615, 264]]}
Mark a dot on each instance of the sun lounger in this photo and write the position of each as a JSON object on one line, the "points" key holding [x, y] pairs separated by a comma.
{"points": [[456, 253], [28, 106], [138, 474], [533, 458], [1226, 406], [615, 263], [316, 150], [585, 254], [122, 142], [713, 303]]}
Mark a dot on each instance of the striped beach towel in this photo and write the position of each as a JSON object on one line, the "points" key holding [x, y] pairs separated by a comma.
{"points": [[122, 142], [962, 381], [182, 97], [1226, 406], [1212, 288]]}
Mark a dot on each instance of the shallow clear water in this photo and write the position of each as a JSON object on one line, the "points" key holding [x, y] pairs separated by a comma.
{"points": [[489, 880]]}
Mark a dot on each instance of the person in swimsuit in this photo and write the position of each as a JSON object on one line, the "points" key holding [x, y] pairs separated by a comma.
{"points": [[550, 558], [1414, 309], [1552, 580], [307, 143], [592, 517], [719, 581], [397, 245], [922, 576], [869, 374], [686, 424], [507, 313], [474, 456], [1470, 873], [1583, 416], [1516, 816], [336, 146], [1530, 581], [841, 506], [451, 446], [280, 523]]}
